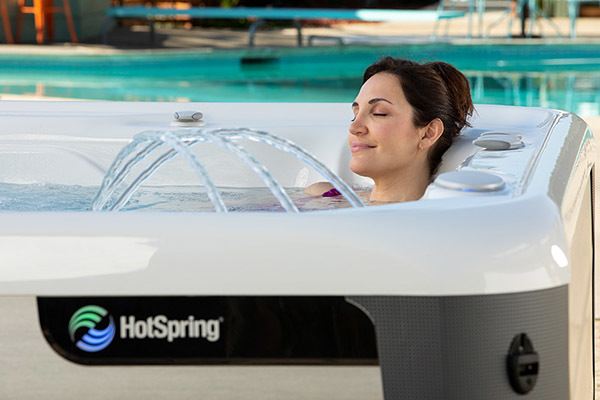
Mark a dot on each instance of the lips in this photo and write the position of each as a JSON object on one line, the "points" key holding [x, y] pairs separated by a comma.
{"points": [[355, 147]]}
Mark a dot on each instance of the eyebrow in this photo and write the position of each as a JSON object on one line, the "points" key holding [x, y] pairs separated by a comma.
{"points": [[373, 101]]}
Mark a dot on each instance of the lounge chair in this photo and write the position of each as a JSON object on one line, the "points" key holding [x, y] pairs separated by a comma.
{"points": [[261, 14], [574, 13]]}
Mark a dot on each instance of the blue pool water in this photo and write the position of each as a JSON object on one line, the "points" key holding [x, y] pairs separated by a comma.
{"points": [[562, 76], [53, 197]]}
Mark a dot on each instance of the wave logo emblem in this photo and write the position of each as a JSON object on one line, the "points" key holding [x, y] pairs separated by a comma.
{"points": [[87, 319]]}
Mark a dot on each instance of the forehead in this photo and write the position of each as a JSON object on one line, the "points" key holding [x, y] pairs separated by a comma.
{"points": [[384, 85]]}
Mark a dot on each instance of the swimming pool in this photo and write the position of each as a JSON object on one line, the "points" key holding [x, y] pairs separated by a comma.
{"points": [[562, 76]]}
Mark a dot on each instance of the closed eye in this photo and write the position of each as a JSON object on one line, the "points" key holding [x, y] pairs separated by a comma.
{"points": [[379, 114]]}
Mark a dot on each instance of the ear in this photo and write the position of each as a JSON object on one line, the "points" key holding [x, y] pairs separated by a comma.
{"points": [[431, 133]]}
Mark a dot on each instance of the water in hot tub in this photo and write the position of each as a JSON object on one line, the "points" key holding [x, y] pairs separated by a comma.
{"points": [[52, 197]]}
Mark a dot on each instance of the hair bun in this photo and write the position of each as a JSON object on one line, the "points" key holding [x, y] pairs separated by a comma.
{"points": [[459, 90]]}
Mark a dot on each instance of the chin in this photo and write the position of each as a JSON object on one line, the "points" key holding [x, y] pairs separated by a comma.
{"points": [[360, 169]]}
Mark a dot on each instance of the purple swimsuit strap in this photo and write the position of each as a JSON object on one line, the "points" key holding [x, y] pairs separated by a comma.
{"points": [[331, 193]]}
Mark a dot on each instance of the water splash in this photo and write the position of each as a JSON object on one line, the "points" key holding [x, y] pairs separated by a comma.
{"points": [[180, 142], [304, 156]]}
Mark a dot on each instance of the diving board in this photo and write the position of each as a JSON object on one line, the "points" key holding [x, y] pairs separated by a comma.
{"points": [[262, 14]]}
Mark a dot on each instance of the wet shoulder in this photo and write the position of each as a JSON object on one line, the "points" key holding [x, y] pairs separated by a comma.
{"points": [[318, 188]]}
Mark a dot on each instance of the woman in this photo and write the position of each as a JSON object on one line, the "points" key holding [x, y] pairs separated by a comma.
{"points": [[406, 116]]}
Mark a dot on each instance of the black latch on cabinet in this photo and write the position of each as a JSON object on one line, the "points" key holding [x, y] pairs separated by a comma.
{"points": [[523, 364]]}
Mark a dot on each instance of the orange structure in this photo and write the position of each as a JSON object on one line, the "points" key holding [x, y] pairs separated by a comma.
{"points": [[8, 36], [43, 12]]}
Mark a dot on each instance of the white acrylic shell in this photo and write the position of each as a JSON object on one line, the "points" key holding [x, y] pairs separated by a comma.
{"points": [[449, 243]]}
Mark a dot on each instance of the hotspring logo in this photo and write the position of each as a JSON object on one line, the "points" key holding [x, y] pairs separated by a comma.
{"points": [[152, 327], [88, 318], [160, 327]]}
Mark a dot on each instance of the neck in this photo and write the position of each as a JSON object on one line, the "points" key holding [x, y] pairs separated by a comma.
{"points": [[405, 185]]}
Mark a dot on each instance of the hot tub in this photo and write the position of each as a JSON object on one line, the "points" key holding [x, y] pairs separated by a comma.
{"points": [[482, 289]]}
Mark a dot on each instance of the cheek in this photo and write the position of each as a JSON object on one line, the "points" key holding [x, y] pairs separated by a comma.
{"points": [[401, 140]]}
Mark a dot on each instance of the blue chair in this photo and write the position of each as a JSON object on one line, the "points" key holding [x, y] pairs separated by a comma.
{"points": [[469, 5], [479, 7], [573, 14], [535, 13]]}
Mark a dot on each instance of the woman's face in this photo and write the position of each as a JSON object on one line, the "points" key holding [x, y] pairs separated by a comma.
{"points": [[382, 137]]}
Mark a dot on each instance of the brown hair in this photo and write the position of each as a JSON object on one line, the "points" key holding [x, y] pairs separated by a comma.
{"points": [[434, 90]]}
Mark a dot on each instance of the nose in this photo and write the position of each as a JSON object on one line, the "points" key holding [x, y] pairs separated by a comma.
{"points": [[357, 127]]}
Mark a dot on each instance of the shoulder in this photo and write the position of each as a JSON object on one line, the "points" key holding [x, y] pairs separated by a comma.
{"points": [[318, 188]]}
